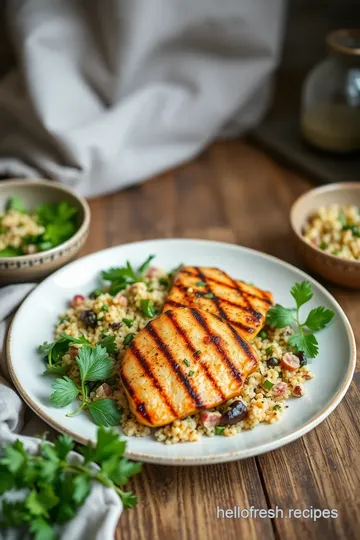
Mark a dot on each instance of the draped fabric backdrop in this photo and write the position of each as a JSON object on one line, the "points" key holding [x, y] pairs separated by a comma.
{"points": [[107, 93]]}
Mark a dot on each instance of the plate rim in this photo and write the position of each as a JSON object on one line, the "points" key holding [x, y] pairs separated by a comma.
{"points": [[211, 458]]}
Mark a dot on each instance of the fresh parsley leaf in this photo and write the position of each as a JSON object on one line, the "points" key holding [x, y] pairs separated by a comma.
{"points": [[42, 530], [81, 488], [208, 295], [15, 457], [303, 340], [147, 307], [108, 444], [145, 265], [64, 392], [120, 471], [219, 430], [15, 203], [306, 343], [104, 412], [128, 322], [318, 318], [7, 480], [279, 317], [14, 514], [95, 364], [10, 252], [108, 342], [63, 445], [56, 370], [302, 293], [175, 270], [164, 281], [129, 500]]}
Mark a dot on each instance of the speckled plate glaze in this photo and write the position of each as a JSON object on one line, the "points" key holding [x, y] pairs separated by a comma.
{"points": [[333, 368]]}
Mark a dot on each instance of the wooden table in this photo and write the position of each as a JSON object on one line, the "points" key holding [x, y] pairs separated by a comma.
{"points": [[234, 192]]}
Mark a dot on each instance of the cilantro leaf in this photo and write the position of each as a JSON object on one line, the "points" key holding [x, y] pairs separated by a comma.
{"points": [[279, 317], [14, 514], [42, 530], [64, 392], [306, 343], [108, 444], [302, 293], [7, 480], [120, 470], [129, 500], [104, 412], [81, 488], [95, 364], [108, 342], [10, 252], [63, 445], [15, 203], [145, 265], [15, 457], [318, 318]]}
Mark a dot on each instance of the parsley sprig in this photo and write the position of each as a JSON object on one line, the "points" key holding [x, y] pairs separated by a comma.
{"points": [[54, 486], [94, 365], [318, 318], [123, 276]]}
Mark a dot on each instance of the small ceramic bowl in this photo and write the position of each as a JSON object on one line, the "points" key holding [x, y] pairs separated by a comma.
{"points": [[331, 267], [38, 265]]}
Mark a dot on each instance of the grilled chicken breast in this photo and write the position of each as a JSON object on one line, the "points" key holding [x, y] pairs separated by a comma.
{"points": [[183, 361], [243, 306]]}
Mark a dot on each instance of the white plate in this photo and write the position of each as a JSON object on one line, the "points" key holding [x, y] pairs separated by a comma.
{"points": [[35, 320]]}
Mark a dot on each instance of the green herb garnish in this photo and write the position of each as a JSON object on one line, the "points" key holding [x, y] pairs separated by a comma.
{"points": [[268, 384], [108, 342], [94, 364], [191, 372], [219, 430], [208, 295], [104, 308], [128, 339], [318, 318], [263, 334], [15, 203], [164, 281], [147, 308], [56, 349], [123, 276], [277, 408], [200, 284], [323, 245], [128, 322], [52, 488], [186, 362], [10, 252], [174, 271]]}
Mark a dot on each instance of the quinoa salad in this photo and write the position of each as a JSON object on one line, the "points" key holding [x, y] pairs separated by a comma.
{"points": [[24, 232], [336, 230], [113, 314]]}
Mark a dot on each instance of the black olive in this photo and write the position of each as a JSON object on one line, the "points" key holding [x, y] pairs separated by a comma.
{"points": [[89, 318], [238, 411], [272, 362], [303, 360], [115, 325]]}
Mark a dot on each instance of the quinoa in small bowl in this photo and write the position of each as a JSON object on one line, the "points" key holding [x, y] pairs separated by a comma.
{"points": [[42, 226], [326, 229]]}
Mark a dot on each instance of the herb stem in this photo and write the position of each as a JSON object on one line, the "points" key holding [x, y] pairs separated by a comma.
{"points": [[84, 403]]}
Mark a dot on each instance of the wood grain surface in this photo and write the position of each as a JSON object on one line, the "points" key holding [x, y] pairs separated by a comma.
{"points": [[234, 192]]}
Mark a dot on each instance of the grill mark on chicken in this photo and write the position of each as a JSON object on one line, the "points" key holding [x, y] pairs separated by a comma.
{"points": [[263, 297], [222, 313], [199, 319], [174, 365], [171, 316], [145, 365], [140, 407]]}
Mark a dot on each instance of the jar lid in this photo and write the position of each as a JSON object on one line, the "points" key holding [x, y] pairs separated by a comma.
{"points": [[345, 41]]}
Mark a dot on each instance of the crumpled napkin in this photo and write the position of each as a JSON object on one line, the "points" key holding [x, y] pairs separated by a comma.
{"points": [[98, 517]]}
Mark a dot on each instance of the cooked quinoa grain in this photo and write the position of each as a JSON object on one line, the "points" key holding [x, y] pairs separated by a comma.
{"points": [[15, 227], [336, 230], [264, 393]]}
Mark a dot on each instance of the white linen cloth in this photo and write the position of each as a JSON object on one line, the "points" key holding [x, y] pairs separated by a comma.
{"points": [[98, 517], [107, 93]]}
